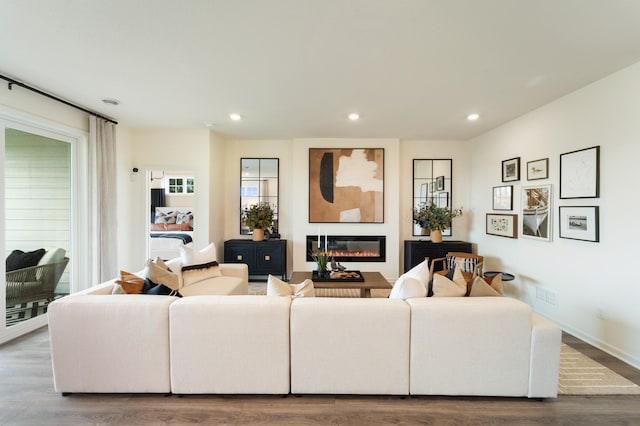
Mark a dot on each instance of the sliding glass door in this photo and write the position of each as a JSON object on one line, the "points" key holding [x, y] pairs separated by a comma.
{"points": [[38, 215]]}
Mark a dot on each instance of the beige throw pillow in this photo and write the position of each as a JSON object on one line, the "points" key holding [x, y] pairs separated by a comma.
{"points": [[277, 287], [480, 288], [444, 287], [158, 272]]}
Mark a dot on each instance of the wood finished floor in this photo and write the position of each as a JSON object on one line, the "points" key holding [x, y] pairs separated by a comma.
{"points": [[27, 398]]}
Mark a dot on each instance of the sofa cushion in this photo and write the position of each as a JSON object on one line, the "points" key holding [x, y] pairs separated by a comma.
{"points": [[444, 287], [158, 272], [406, 287], [480, 287], [192, 274], [190, 256], [277, 287], [19, 259], [130, 283]]}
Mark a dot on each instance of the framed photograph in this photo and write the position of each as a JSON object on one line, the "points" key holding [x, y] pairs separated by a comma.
{"points": [[511, 170], [440, 183], [580, 223], [538, 169], [536, 212], [346, 185], [502, 225], [580, 173], [503, 197]]}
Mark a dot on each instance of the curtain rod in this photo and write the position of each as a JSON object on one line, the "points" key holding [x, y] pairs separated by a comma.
{"points": [[11, 82]]}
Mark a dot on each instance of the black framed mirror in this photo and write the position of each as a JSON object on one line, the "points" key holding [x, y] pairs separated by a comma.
{"points": [[259, 183], [432, 182]]}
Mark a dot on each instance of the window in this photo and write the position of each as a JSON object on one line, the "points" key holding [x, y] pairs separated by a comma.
{"points": [[180, 185]]}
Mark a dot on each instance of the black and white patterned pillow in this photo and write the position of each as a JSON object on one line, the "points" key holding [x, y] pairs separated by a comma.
{"points": [[184, 217], [166, 217], [468, 264]]}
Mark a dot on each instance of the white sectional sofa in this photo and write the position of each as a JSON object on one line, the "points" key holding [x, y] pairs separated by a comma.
{"points": [[274, 345]]}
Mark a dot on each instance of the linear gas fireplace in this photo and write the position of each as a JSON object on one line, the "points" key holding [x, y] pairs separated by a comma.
{"points": [[348, 248]]}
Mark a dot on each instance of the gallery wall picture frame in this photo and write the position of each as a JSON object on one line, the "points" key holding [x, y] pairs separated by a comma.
{"points": [[502, 225], [511, 170], [346, 185], [580, 173], [503, 197], [538, 169], [580, 223], [536, 211], [440, 183]]}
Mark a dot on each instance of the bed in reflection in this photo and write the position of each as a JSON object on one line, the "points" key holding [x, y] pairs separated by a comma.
{"points": [[171, 228]]}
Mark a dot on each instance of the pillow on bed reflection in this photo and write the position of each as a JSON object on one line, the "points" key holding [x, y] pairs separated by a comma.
{"points": [[166, 217]]}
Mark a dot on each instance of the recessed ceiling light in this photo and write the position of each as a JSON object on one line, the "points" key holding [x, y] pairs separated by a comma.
{"points": [[235, 117], [473, 117], [111, 101], [354, 116]]}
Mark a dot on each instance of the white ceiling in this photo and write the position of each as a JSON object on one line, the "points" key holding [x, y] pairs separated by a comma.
{"points": [[413, 69]]}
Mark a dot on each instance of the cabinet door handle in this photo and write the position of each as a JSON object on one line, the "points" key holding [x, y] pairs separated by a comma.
{"points": [[267, 258], [239, 257]]}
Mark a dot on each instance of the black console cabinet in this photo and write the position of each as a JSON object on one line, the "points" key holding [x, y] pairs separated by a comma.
{"points": [[416, 251], [262, 257]]}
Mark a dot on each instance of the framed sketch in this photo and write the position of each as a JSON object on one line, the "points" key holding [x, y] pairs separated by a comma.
{"points": [[346, 185], [511, 170], [538, 169], [502, 225], [580, 173], [503, 197], [440, 183], [536, 212], [580, 223]]}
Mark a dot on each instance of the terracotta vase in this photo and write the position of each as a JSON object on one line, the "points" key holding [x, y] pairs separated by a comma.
{"points": [[258, 234], [436, 236]]}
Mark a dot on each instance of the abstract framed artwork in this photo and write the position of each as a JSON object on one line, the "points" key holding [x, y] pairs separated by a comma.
{"points": [[536, 212], [580, 173], [580, 223], [538, 169], [511, 170], [346, 185], [440, 183], [503, 197], [502, 225]]}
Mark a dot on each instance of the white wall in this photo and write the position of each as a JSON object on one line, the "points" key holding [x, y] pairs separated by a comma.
{"points": [[588, 277], [458, 152], [158, 149], [300, 226]]}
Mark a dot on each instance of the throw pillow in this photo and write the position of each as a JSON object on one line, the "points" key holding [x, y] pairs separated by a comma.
{"points": [[158, 289], [184, 218], [19, 259], [190, 256], [158, 272], [420, 272], [117, 289], [444, 287], [192, 274], [406, 287], [480, 287], [468, 264], [130, 283], [277, 287], [165, 217]]}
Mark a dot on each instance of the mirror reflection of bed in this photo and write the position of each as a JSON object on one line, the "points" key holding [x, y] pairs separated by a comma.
{"points": [[171, 214], [172, 228]]}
